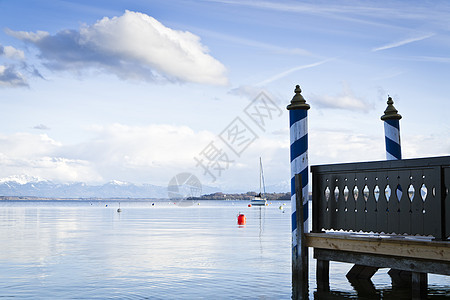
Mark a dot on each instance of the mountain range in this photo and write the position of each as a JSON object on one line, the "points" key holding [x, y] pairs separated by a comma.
{"points": [[24, 186]]}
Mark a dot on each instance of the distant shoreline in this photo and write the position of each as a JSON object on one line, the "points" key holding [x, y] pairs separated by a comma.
{"points": [[215, 196], [33, 198], [244, 196]]}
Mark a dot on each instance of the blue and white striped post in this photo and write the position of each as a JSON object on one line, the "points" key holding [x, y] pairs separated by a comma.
{"points": [[298, 113], [391, 120]]}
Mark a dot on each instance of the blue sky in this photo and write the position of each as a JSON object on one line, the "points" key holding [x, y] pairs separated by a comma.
{"points": [[139, 91]]}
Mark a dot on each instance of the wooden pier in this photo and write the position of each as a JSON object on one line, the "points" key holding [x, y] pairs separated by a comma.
{"points": [[388, 214]]}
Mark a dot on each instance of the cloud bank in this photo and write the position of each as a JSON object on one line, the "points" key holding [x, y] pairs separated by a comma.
{"points": [[132, 46], [155, 153], [139, 154]]}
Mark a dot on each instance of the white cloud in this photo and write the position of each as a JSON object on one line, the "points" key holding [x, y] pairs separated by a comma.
{"points": [[345, 100], [334, 146], [415, 146], [147, 154], [10, 77], [35, 155], [144, 146], [27, 145], [155, 153], [139, 154], [132, 46], [403, 42], [11, 52]]}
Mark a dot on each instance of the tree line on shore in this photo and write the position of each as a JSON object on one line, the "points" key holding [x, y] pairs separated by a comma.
{"points": [[244, 196]]}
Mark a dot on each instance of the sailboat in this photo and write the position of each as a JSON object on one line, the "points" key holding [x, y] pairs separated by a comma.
{"points": [[259, 199]]}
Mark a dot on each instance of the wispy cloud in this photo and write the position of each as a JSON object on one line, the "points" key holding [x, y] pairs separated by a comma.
{"points": [[403, 42], [292, 70], [378, 14], [253, 43], [132, 46], [352, 11], [387, 74], [436, 59], [301, 7]]}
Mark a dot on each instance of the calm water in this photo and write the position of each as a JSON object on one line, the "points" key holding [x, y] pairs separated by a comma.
{"points": [[87, 250]]}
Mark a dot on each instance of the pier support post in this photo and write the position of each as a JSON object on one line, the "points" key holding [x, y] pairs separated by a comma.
{"points": [[323, 275], [400, 278], [419, 283], [298, 112], [361, 272], [300, 266]]}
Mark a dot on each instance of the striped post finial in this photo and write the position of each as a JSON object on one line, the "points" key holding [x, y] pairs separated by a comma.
{"points": [[391, 120], [298, 113]]}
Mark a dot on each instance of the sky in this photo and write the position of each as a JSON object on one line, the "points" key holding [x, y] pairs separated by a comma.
{"points": [[142, 91]]}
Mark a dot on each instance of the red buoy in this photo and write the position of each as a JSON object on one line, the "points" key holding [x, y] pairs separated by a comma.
{"points": [[241, 219], [249, 205]]}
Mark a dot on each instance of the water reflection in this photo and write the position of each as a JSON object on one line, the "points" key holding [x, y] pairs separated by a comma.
{"points": [[386, 293], [161, 251], [60, 250]]}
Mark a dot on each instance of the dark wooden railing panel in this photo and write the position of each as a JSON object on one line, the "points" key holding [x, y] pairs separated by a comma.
{"points": [[433, 203], [446, 208], [402, 197], [382, 203], [417, 202]]}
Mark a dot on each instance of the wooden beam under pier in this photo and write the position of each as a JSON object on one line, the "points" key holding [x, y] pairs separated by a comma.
{"points": [[407, 247], [384, 261]]}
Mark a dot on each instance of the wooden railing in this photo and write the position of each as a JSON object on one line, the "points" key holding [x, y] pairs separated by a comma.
{"points": [[398, 196]]}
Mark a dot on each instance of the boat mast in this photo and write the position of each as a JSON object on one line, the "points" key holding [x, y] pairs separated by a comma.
{"points": [[260, 175]]}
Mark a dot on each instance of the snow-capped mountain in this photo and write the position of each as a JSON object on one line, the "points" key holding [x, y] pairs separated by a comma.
{"points": [[34, 187], [23, 186], [21, 179]]}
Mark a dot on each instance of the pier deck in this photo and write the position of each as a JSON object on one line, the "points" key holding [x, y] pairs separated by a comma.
{"points": [[387, 214]]}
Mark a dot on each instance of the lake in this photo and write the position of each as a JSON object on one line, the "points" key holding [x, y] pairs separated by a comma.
{"points": [[160, 250]]}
